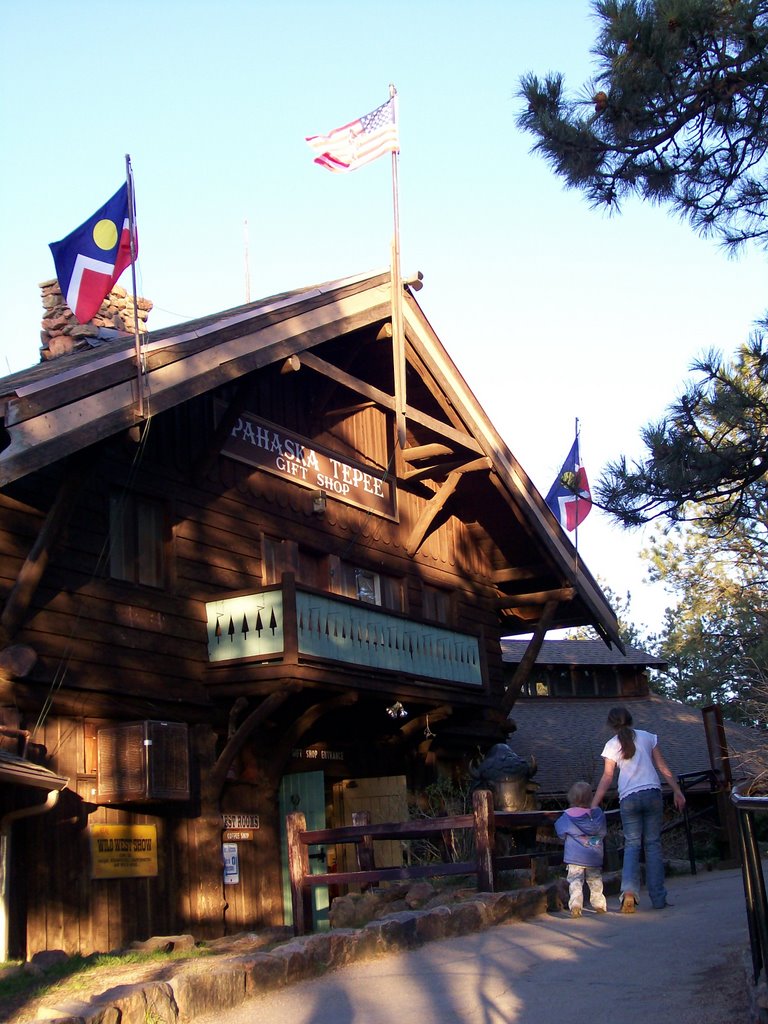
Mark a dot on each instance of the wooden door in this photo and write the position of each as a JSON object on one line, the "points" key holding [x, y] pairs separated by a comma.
{"points": [[385, 797], [305, 791]]}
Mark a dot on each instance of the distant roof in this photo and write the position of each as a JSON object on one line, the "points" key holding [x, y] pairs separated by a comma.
{"points": [[579, 652], [567, 735]]}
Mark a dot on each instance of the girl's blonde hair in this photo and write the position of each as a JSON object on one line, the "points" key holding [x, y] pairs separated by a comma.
{"points": [[580, 794]]}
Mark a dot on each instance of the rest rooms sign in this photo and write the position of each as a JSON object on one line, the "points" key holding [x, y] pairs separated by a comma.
{"points": [[259, 443], [123, 851]]}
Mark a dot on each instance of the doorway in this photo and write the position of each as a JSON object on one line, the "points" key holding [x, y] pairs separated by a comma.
{"points": [[305, 792]]}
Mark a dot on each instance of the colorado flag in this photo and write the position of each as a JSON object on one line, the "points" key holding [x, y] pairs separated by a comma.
{"points": [[91, 259], [569, 497]]}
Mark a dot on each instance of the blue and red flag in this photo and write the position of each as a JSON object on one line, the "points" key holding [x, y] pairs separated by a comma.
{"points": [[91, 259], [569, 497]]}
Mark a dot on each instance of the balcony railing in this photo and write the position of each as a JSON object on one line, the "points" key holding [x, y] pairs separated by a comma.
{"points": [[269, 624]]}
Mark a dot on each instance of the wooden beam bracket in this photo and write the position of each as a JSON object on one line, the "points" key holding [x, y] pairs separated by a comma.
{"points": [[438, 503]]}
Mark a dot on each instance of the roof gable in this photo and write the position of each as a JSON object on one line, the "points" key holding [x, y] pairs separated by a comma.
{"points": [[57, 409]]}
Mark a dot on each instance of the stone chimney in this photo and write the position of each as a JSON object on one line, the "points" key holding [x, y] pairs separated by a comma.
{"points": [[62, 334]]}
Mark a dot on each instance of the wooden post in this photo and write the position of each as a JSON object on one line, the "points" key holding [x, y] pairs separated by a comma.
{"points": [[19, 599], [366, 860], [298, 868], [539, 868], [290, 620], [528, 660], [485, 828]]}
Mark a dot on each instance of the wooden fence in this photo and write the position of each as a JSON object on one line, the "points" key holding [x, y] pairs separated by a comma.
{"points": [[484, 822]]}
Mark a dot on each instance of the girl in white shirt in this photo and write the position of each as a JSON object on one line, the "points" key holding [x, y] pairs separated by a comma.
{"points": [[636, 754]]}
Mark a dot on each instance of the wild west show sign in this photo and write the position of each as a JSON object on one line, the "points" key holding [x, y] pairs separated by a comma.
{"points": [[269, 447]]}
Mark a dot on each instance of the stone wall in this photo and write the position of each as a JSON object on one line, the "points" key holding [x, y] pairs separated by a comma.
{"points": [[61, 333]]}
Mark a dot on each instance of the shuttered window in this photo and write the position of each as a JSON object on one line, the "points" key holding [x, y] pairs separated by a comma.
{"points": [[137, 540]]}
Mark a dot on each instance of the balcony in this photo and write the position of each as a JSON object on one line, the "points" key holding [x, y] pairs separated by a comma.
{"points": [[292, 623]]}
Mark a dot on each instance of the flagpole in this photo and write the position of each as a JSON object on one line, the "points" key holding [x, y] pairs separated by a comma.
{"points": [[140, 368], [576, 530], [247, 263], [398, 338]]}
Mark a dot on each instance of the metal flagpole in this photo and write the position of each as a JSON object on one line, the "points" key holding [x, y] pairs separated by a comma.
{"points": [[398, 336], [576, 507], [247, 263], [140, 367]]}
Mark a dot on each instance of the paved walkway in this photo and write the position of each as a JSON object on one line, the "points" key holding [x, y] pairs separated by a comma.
{"points": [[681, 965]]}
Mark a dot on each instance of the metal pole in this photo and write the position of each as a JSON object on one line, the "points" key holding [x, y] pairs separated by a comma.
{"points": [[749, 898], [140, 368], [576, 530], [247, 264], [398, 340]]}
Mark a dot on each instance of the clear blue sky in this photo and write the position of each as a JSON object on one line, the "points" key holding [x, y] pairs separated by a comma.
{"points": [[551, 310]]}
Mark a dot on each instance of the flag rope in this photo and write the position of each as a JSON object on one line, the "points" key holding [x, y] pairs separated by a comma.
{"points": [[140, 358]]}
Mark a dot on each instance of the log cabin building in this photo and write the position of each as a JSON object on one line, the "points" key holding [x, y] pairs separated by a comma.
{"points": [[265, 563]]}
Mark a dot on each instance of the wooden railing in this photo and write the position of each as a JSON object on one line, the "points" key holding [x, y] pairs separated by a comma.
{"points": [[483, 821], [752, 873], [286, 621]]}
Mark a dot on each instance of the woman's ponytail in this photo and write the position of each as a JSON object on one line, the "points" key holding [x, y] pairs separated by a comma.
{"points": [[620, 721]]}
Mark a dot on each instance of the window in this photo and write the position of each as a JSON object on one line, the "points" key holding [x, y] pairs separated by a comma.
{"points": [[436, 605], [277, 557], [561, 681], [369, 586], [137, 540]]}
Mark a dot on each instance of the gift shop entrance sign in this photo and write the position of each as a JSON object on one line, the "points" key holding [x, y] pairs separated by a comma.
{"points": [[269, 447]]}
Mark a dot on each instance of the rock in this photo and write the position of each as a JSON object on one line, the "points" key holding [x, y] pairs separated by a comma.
{"points": [[263, 973], [197, 993], [84, 331], [342, 913], [59, 322], [164, 943], [419, 894], [298, 965], [48, 958], [58, 345]]}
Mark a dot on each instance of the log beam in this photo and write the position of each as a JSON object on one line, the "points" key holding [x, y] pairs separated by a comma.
{"points": [[539, 597], [426, 451], [512, 575], [235, 744], [438, 503], [528, 660], [23, 591]]}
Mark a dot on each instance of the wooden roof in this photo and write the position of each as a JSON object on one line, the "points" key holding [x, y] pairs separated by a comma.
{"points": [[566, 736], [58, 408], [580, 653], [18, 771]]}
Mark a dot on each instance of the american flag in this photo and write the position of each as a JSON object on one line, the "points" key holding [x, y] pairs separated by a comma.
{"points": [[359, 142]]}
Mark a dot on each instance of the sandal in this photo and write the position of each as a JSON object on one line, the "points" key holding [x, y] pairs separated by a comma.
{"points": [[628, 903]]}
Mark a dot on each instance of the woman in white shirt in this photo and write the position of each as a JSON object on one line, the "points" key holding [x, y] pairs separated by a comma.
{"points": [[636, 754]]}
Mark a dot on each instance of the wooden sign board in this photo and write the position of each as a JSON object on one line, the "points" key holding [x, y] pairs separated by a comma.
{"points": [[276, 450], [239, 820], [123, 851], [238, 835]]}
